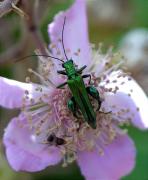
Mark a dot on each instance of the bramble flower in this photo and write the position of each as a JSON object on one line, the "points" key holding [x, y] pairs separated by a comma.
{"points": [[46, 132]]}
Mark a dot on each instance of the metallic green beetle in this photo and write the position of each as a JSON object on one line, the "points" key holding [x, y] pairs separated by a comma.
{"points": [[80, 99]]}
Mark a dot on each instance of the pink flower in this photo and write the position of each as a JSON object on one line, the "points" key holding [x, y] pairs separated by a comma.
{"points": [[46, 131]]}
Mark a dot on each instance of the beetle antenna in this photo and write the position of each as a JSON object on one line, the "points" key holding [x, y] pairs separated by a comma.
{"points": [[63, 38], [39, 55]]}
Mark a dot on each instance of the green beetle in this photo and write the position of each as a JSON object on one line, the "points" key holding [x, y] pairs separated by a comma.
{"points": [[80, 93], [80, 99]]}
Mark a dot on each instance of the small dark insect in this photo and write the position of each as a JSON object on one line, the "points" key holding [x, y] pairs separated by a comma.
{"points": [[54, 140]]}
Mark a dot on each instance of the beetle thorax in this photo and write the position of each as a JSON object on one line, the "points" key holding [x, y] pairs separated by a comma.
{"points": [[69, 68]]}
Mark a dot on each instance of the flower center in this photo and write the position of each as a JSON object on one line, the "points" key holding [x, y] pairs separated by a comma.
{"points": [[53, 120], [52, 123]]}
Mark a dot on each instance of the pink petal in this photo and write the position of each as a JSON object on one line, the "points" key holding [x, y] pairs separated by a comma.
{"points": [[75, 32], [118, 160], [25, 154], [130, 100], [12, 92]]}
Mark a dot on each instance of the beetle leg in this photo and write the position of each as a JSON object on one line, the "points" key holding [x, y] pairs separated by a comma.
{"points": [[86, 76], [62, 72], [95, 94], [72, 106], [81, 69], [61, 85]]}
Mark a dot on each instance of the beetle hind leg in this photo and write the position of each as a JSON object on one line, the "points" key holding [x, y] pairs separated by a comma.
{"points": [[72, 106], [92, 91]]}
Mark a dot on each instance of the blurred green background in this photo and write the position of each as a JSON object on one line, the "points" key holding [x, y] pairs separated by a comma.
{"points": [[106, 28]]}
